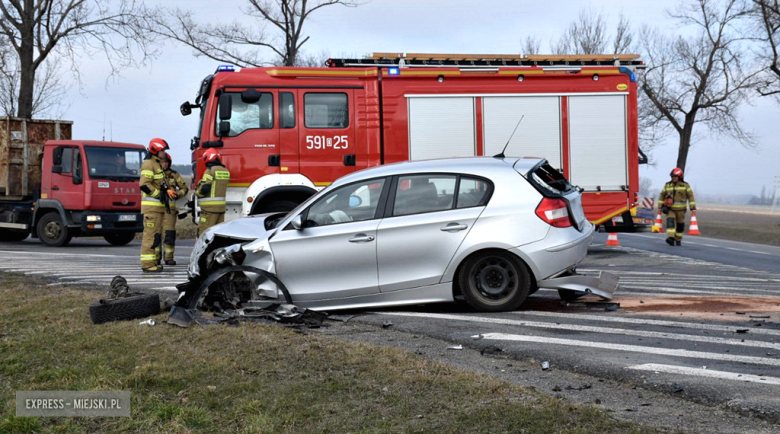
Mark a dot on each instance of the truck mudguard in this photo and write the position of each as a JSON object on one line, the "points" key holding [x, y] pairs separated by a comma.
{"points": [[44, 205]]}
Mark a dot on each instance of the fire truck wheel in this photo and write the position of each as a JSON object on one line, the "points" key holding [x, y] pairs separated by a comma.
{"points": [[279, 206], [118, 309], [13, 234], [52, 231], [120, 239], [494, 281]]}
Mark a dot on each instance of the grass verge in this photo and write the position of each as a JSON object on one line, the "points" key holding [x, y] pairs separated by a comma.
{"points": [[252, 378]]}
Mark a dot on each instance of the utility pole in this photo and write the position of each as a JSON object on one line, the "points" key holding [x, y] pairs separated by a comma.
{"points": [[776, 201]]}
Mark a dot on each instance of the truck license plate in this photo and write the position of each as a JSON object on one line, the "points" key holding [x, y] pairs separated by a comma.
{"points": [[127, 218]]}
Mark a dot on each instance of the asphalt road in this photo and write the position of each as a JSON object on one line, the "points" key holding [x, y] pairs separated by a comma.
{"points": [[756, 256], [700, 321]]}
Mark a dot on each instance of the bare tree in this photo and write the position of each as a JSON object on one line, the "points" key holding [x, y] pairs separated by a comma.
{"points": [[48, 93], [699, 79], [530, 45], [587, 34], [250, 45], [36, 29], [766, 23]]}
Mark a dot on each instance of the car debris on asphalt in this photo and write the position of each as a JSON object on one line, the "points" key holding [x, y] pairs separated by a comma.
{"points": [[545, 366], [455, 347]]}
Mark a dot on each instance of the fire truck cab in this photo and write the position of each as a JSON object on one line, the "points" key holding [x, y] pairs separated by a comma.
{"points": [[285, 132]]}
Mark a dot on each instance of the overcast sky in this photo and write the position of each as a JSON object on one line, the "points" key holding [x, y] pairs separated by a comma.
{"points": [[144, 103]]}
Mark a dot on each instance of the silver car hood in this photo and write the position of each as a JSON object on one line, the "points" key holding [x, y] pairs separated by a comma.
{"points": [[249, 231]]}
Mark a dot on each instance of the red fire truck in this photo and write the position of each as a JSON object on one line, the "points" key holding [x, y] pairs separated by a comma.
{"points": [[285, 132]]}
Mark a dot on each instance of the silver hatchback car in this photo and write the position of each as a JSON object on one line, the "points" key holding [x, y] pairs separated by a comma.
{"points": [[492, 230]]}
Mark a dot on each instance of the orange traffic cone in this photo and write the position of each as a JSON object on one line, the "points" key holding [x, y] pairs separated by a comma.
{"points": [[659, 225], [612, 240], [694, 230]]}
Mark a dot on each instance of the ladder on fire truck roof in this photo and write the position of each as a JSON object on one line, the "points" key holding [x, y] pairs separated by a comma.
{"points": [[433, 60]]}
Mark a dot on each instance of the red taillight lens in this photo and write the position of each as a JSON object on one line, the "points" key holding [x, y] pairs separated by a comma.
{"points": [[554, 212]]}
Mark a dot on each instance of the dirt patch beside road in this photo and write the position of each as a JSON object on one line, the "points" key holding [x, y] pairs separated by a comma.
{"points": [[708, 307]]}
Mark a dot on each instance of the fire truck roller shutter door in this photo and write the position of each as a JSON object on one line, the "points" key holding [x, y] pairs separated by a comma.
{"points": [[597, 142], [539, 134], [441, 127]]}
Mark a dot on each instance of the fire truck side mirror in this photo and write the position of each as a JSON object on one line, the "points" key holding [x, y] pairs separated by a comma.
{"points": [[185, 109], [224, 129], [225, 106]]}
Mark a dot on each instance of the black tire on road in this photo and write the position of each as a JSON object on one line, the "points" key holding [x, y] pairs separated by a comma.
{"points": [[494, 281], [120, 239], [279, 206], [14, 234], [119, 309], [52, 230]]}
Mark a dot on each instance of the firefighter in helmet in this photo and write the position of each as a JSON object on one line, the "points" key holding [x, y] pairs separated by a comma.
{"points": [[174, 182], [211, 191], [153, 209], [675, 197]]}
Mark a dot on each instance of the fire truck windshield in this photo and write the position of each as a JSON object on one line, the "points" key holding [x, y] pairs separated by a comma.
{"points": [[113, 163]]}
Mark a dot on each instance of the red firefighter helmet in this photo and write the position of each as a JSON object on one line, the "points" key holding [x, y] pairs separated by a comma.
{"points": [[210, 155], [156, 145], [677, 172], [167, 158]]}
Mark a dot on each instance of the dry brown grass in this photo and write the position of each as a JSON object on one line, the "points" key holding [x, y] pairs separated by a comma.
{"points": [[738, 225]]}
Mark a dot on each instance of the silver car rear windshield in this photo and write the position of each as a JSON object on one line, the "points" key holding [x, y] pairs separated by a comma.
{"points": [[550, 182]]}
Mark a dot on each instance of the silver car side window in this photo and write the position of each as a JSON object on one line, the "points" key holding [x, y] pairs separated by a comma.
{"points": [[472, 192], [350, 203], [418, 194]]}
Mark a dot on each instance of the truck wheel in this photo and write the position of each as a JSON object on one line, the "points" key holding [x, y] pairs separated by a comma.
{"points": [[279, 206], [494, 281], [52, 231], [118, 309], [14, 234], [120, 239]]}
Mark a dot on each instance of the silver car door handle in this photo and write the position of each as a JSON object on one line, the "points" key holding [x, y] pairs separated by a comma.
{"points": [[454, 227], [361, 238]]}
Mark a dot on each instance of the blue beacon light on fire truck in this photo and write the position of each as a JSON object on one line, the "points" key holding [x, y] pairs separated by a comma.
{"points": [[393, 71], [226, 68]]}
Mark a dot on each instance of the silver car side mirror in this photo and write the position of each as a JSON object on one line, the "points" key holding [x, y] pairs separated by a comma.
{"points": [[297, 223]]}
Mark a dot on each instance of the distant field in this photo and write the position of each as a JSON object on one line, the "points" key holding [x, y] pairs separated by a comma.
{"points": [[739, 223]]}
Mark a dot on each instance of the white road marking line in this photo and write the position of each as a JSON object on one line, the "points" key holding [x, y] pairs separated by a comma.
{"points": [[592, 329], [712, 327], [697, 291], [686, 276], [16, 253], [699, 372], [633, 349]]}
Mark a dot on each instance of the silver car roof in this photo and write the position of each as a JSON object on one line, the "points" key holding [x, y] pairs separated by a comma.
{"points": [[481, 166]]}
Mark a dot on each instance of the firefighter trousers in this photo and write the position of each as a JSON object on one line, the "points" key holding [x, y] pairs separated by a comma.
{"points": [[168, 234], [675, 224], [209, 219], [152, 240]]}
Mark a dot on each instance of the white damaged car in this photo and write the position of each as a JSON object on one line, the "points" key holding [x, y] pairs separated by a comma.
{"points": [[489, 230]]}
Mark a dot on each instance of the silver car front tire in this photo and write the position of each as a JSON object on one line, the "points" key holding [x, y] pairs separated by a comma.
{"points": [[494, 281]]}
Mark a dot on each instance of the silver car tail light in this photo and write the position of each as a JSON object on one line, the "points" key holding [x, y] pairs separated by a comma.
{"points": [[554, 212]]}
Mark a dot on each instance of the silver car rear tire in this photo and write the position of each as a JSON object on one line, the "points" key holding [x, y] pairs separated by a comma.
{"points": [[494, 281]]}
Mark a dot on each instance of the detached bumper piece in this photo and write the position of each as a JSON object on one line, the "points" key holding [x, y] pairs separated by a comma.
{"points": [[288, 315], [602, 284]]}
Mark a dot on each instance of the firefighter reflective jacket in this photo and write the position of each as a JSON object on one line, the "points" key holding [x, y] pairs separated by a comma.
{"points": [[176, 182], [212, 189], [680, 193], [151, 182]]}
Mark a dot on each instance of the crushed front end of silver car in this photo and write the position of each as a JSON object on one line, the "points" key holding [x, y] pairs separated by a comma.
{"points": [[220, 277]]}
